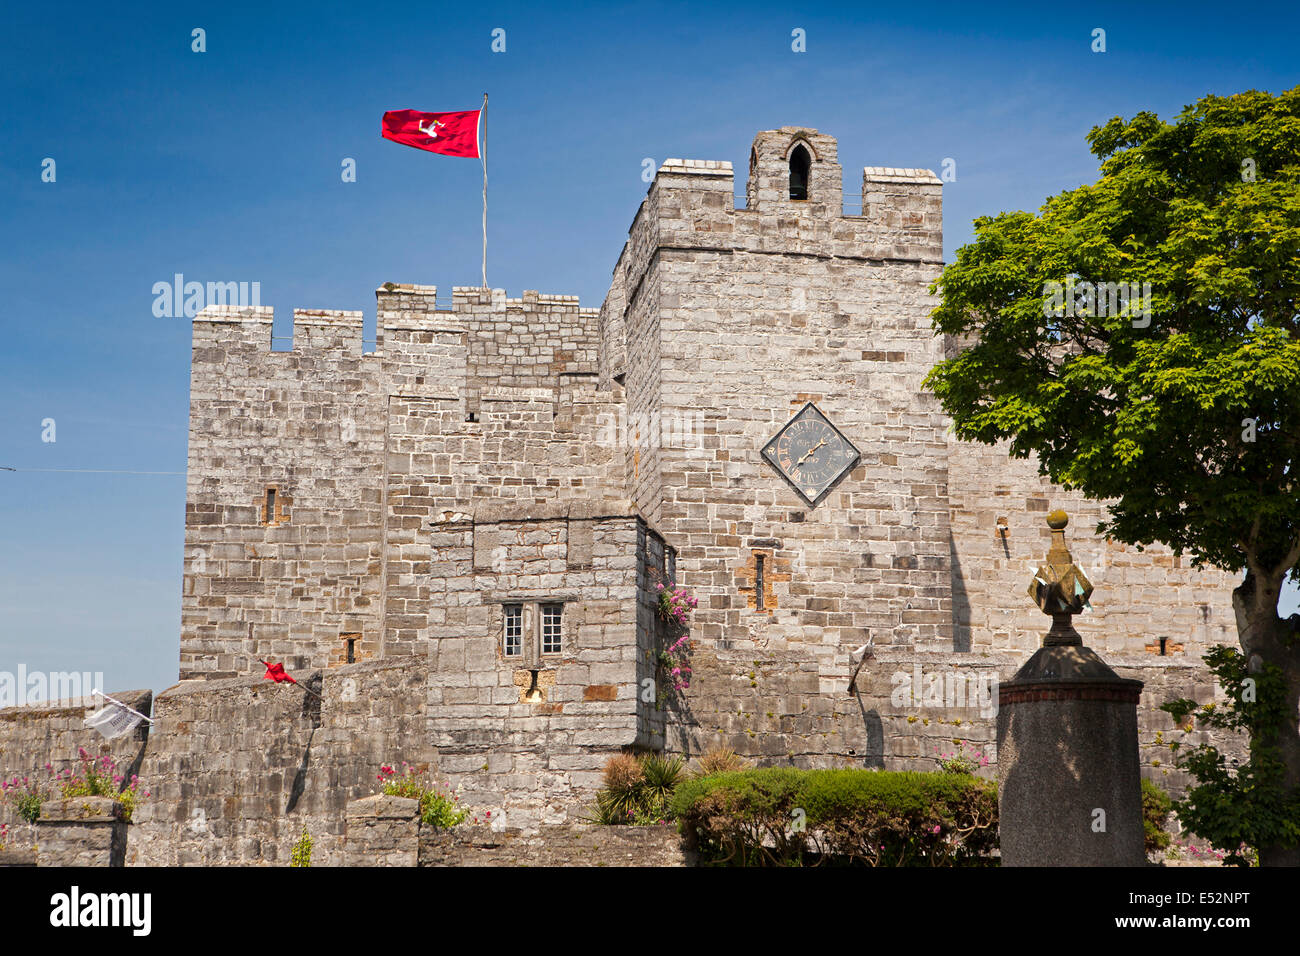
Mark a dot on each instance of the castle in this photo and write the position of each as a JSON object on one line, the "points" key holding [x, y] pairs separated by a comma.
{"points": [[464, 530]]}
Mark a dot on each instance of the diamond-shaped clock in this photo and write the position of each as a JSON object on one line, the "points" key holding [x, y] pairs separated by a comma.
{"points": [[810, 453]]}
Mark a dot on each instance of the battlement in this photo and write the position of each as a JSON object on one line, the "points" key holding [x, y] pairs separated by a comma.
{"points": [[401, 308], [890, 174], [793, 201], [697, 167], [242, 314]]}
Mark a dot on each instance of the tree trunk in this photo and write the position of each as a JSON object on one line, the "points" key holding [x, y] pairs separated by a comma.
{"points": [[1268, 639]]}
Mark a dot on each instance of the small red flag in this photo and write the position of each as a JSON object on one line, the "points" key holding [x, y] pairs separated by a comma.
{"points": [[452, 134], [276, 673]]}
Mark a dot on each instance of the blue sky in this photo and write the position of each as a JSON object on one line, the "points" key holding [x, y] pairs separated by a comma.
{"points": [[225, 166]]}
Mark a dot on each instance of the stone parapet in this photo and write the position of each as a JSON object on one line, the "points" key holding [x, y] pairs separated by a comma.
{"points": [[570, 845], [81, 831], [382, 831]]}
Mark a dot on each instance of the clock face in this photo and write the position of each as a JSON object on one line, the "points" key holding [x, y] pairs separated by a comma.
{"points": [[810, 453]]}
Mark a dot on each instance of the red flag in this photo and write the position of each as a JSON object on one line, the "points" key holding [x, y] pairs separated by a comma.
{"points": [[276, 673], [452, 134]]}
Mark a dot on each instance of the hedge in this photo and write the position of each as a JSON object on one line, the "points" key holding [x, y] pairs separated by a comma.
{"points": [[778, 816]]}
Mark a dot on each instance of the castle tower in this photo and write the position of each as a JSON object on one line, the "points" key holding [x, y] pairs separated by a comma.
{"points": [[733, 321]]}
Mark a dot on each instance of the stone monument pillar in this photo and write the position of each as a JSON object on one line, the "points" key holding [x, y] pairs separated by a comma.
{"points": [[1069, 785]]}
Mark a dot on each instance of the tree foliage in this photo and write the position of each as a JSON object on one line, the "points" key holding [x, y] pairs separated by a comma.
{"points": [[1238, 807], [1149, 410]]}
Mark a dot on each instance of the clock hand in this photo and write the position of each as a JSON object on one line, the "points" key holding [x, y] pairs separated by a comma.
{"points": [[809, 453]]}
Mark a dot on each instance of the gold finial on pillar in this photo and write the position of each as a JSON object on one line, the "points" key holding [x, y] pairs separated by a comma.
{"points": [[1059, 587]]}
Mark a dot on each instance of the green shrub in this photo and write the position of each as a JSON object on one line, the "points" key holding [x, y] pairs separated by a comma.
{"points": [[1238, 809], [1155, 811], [98, 777], [787, 817], [95, 776], [720, 759], [966, 759], [436, 809], [29, 806], [661, 775], [301, 855], [638, 790]]}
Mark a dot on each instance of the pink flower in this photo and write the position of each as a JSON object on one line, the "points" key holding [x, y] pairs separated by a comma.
{"points": [[936, 828]]}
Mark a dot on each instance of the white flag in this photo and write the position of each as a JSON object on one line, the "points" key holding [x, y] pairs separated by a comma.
{"points": [[114, 721]]}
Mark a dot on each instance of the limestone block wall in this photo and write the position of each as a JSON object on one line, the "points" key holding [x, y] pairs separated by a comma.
{"points": [[527, 342], [656, 565], [775, 709], [528, 735], [237, 767], [305, 465], [612, 357], [572, 844], [424, 349], [1167, 679], [636, 281], [747, 315], [779, 708], [1139, 597], [300, 433]]}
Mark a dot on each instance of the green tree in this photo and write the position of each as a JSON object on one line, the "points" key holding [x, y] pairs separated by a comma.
{"points": [[1182, 410]]}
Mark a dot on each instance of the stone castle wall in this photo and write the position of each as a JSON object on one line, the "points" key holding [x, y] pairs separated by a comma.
{"points": [[1140, 596], [748, 314], [493, 398]]}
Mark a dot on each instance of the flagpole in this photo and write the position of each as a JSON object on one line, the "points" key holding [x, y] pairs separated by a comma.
{"points": [[482, 152], [114, 700]]}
